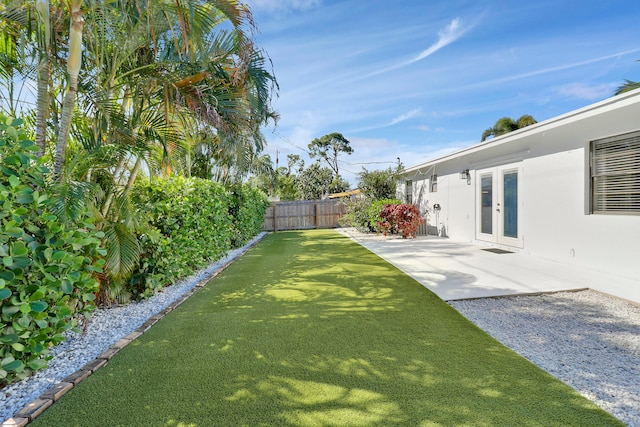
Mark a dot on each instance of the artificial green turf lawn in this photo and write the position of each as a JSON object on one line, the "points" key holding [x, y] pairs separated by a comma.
{"points": [[310, 329]]}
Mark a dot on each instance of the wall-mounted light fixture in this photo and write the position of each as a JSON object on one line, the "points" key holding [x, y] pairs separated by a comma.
{"points": [[466, 175]]}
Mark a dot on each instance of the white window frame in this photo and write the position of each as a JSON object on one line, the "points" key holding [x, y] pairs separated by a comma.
{"points": [[408, 192], [433, 183], [615, 175]]}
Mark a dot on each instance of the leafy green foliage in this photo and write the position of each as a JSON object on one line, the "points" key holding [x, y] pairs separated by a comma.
{"points": [[357, 215], [374, 213], [378, 188], [191, 223], [287, 187], [400, 218], [627, 86], [47, 274], [364, 213], [194, 228], [247, 208], [507, 124], [379, 184], [329, 147], [314, 182]]}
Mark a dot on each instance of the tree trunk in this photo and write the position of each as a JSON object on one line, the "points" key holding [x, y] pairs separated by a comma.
{"points": [[117, 175], [44, 72], [73, 69], [133, 175]]}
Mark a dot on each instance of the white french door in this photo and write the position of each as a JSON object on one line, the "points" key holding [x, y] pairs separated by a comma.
{"points": [[499, 205]]}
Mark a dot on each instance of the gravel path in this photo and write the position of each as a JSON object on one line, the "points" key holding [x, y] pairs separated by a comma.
{"points": [[106, 327], [587, 339]]}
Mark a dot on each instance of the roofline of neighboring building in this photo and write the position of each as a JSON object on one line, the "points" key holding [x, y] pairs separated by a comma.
{"points": [[538, 127]]}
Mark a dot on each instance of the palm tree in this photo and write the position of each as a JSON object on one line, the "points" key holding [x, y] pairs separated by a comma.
{"points": [[159, 87], [155, 75], [74, 62], [627, 86], [507, 124], [44, 72]]}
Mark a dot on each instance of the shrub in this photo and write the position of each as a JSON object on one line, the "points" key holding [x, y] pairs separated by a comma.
{"points": [[47, 271], [189, 226], [356, 215], [191, 223], [247, 207], [402, 218], [364, 214], [375, 210]]}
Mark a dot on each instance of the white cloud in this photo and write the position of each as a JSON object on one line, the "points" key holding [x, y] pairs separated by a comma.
{"points": [[590, 93], [406, 116], [549, 70], [452, 32], [448, 35]]}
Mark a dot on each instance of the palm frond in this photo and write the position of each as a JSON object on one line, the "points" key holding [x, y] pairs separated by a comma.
{"points": [[627, 86], [124, 211], [73, 198], [123, 250]]}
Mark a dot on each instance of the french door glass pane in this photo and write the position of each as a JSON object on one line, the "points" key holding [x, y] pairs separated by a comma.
{"points": [[510, 208], [486, 214]]}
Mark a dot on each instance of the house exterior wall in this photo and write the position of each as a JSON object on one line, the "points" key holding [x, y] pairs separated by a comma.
{"points": [[555, 219]]}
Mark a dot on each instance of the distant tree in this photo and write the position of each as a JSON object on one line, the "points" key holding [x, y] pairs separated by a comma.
{"points": [[314, 182], [380, 184], [262, 174], [287, 187], [339, 185], [627, 86], [292, 161], [507, 124], [329, 147]]}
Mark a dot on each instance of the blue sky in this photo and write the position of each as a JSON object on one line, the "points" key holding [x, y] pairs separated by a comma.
{"points": [[416, 79]]}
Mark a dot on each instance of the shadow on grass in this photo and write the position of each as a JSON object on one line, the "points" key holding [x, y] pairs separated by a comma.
{"points": [[310, 329]]}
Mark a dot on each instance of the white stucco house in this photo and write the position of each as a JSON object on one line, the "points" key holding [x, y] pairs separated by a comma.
{"points": [[566, 189]]}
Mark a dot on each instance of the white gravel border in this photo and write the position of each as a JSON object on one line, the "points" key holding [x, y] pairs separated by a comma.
{"points": [[106, 327], [589, 340]]}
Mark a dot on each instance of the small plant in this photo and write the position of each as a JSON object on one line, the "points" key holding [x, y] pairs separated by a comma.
{"points": [[400, 218]]}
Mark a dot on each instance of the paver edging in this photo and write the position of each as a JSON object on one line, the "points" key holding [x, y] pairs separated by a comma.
{"points": [[33, 409]]}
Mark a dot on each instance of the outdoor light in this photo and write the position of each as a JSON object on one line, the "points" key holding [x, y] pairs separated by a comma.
{"points": [[466, 175]]}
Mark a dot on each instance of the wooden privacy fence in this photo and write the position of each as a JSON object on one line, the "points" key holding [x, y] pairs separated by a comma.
{"points": [[304, 214]]}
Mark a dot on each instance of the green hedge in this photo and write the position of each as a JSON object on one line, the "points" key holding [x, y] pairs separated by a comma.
{"points": [[47, 270], [192, 222], [247, 208]]}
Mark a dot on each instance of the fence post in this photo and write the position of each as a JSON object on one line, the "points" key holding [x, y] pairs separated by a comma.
{"points": [[315, 215], [275, 220]]}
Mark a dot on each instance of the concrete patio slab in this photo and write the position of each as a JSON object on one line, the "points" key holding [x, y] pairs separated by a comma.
{"points": [[456, 270]]}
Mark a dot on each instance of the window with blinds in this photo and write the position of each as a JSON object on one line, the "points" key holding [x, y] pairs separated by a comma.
{"points": [[615, 174]]}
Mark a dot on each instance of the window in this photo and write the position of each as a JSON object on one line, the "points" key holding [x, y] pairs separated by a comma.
{"points": [[408, 193], [615, 174], [433, 183]]}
